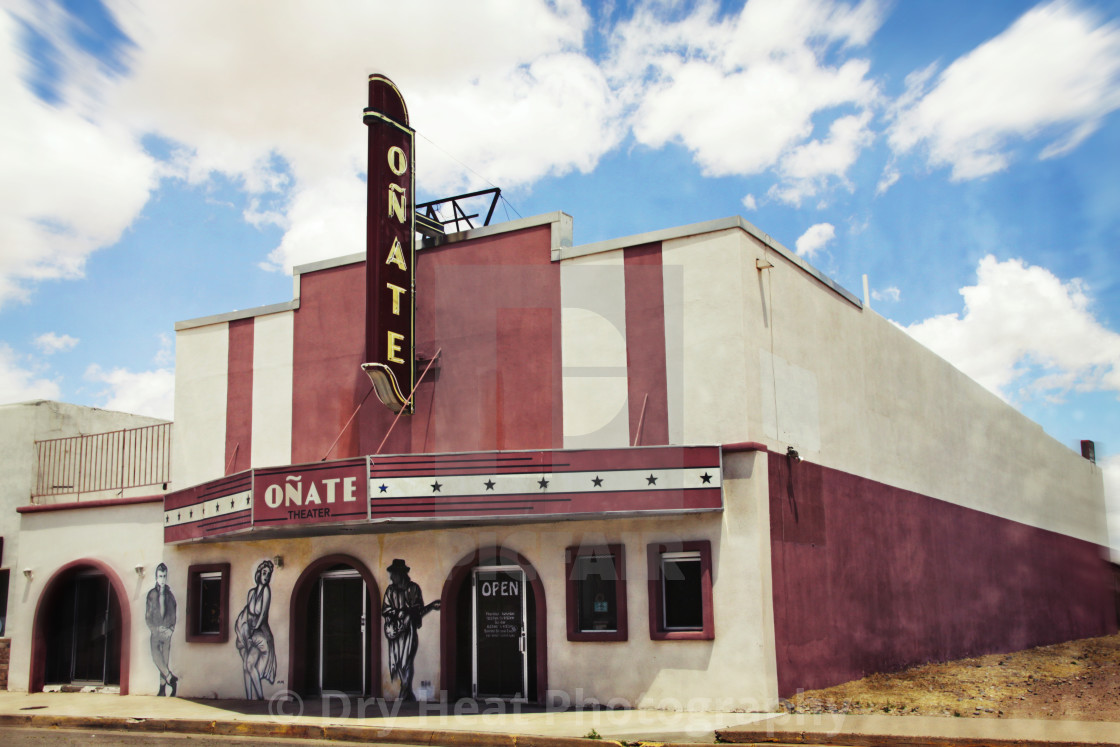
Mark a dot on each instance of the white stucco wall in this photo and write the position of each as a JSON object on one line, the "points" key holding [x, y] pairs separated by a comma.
{"points": [[707, 380], [21, 424], [776, 356], [201, 380], [122, 537], [593, 345], [273, 336]]}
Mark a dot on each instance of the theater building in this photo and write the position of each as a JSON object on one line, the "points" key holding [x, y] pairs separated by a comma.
{"points": [[680, 469]]}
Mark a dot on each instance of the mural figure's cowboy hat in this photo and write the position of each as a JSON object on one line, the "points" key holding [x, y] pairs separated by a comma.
{"points": [[398, 566]]}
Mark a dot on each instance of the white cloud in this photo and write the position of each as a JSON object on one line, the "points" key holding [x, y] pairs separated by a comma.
{"points": [[149, 393], [50, 342], [807, 169], [70, 181], [750, 203], [549, 117], [890, 176], [741, 92], [503, 87], [887, 294], [324, 219], [270, 95], [19, 379], [1054, 74], [165, 356], [814, 239], [1025, 333]]}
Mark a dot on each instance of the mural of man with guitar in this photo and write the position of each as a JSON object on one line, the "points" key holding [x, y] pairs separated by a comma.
{"points": [[403, 611]]}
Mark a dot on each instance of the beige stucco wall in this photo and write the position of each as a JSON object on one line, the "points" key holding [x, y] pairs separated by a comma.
{"points": [[273, 337], [736, 670], [201, 378], [122, 537], [776, 356], [593, 345]]}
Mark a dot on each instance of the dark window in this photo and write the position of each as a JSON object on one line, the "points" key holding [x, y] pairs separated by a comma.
{"points": [[680, 590], [596, 593], [208, 603], [3, 602], [683, 607], [595, 580]]}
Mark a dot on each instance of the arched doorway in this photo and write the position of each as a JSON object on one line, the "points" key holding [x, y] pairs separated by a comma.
{"points": [[82, 629], [493, 638], [335, 618]]}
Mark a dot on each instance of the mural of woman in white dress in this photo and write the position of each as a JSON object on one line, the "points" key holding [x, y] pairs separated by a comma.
{"points": [[254, 637]]}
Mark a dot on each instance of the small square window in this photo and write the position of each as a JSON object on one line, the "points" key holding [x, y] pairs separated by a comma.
{"points": [[596, 593], [208, 603], [680, 591]]}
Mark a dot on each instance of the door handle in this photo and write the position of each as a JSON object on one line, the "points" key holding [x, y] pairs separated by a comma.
{"points": [[521, 643]]}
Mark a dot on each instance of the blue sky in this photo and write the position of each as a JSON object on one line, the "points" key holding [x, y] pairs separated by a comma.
{"points": [[164, 161]]}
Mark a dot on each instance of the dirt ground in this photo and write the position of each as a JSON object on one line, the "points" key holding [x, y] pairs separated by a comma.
{"points": [[1077, 681]]}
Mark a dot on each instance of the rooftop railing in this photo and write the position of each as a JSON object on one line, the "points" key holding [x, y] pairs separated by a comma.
{"points": [[103, 462]]}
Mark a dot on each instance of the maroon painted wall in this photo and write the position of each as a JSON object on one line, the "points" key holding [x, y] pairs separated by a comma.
{"points": [[327, 378], [870, 578], [239, 396], [645, 345], [491, 304]]}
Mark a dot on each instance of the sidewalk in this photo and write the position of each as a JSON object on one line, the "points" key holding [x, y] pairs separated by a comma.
{"points": [[340, 719], [455, 725], [896, 731]]}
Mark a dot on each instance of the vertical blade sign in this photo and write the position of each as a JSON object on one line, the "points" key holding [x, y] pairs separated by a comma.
{"points": [[390, 251]]}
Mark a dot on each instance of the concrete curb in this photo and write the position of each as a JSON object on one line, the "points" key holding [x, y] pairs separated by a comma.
{"points": [[332, 732], [850, 739]]}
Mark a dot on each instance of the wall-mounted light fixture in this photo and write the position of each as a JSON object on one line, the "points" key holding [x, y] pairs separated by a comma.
{"points": [[278, 561], [28, 573], [139, 570], [763, 264]]}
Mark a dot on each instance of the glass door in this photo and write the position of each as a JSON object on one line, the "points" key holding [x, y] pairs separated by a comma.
{"points": [[343, 651], [500, 644]]}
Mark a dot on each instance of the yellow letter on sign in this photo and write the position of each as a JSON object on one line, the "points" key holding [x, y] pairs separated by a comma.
{"points": [[398, 161], [397, 291], [395, 347], [396, 255], [397, 202]]}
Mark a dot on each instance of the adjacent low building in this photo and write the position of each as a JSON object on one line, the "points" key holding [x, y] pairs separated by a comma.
{"points": [[81, 496]]}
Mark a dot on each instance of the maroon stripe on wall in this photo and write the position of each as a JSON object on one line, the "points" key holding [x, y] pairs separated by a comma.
{"points": [[645, 344], [239, 396], [526, 364], [870, 578]]}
